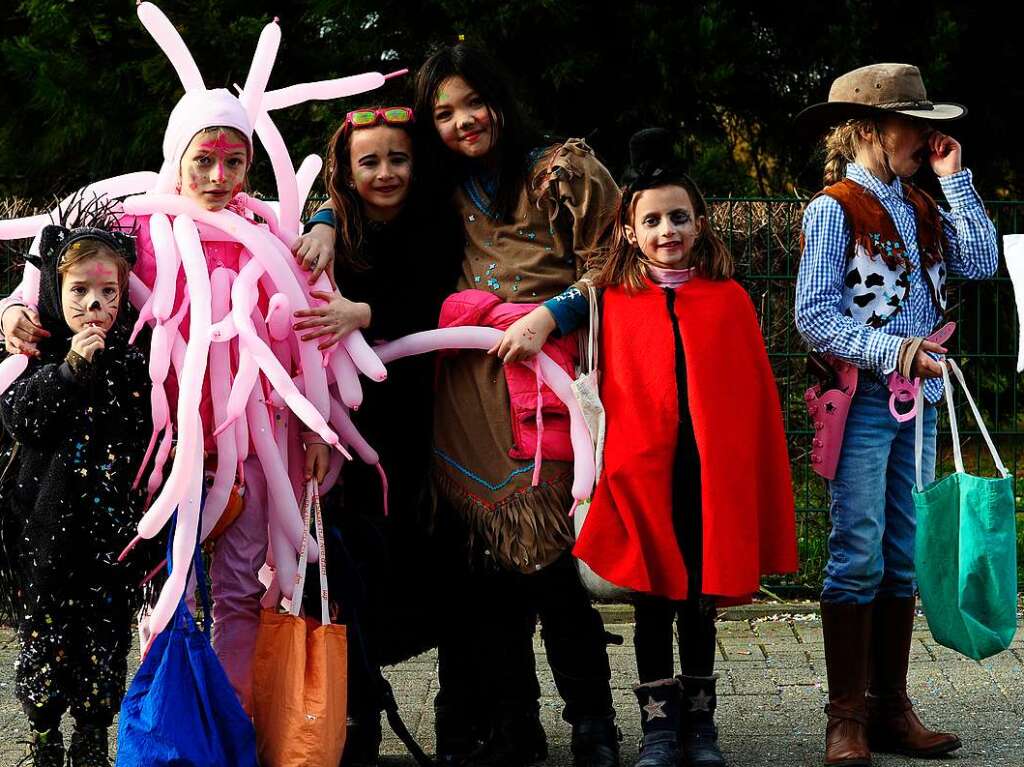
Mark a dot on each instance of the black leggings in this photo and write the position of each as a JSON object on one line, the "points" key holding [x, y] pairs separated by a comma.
{"points": [[652, 640], [74, 656], [695, 617]]}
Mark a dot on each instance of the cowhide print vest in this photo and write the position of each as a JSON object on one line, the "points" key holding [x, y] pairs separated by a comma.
{"points": [[877, 280]]}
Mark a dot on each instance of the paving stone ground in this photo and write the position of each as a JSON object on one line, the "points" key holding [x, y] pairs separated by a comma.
{"points": [[772, 691]]}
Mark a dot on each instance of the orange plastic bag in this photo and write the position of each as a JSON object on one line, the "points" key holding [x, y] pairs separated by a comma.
{"points": [[234, 507], [300, 674]]}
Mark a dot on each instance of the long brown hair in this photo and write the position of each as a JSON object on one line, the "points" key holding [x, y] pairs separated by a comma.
{"points": [[514, 133], [626, 264], [350, 221]]}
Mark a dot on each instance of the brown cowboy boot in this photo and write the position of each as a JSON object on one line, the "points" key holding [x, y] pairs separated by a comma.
{"points": [[847, 632], [893, 725]]}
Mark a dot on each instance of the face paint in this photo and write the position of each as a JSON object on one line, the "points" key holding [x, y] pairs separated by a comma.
{"points": [[91, 293], [213, 168], [463, 119], [219, 150], [665, 227], [223, 144], [100, 270]]}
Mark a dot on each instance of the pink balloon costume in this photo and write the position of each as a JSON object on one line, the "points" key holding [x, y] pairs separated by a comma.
{"points": [[218, 290], [202, 281]]}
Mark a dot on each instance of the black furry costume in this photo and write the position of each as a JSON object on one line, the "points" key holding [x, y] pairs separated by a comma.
{"points": [[67, 508]]}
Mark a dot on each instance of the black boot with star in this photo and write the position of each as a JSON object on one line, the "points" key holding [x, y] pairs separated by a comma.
{"points": [[659, 719], [698, 734]]}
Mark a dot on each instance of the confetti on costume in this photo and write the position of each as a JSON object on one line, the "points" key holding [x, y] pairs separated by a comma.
{"points": [[218, 290], [207, 283], [76, 431]]}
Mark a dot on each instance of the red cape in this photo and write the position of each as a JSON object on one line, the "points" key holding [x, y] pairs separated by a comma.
{"points": [[748, 517]]}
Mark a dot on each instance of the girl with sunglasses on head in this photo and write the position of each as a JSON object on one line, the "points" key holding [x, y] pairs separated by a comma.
{"points": [[536, 216], [391, 279]]}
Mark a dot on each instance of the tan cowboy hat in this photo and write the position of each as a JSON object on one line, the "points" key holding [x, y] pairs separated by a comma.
{"points": [[874, 91]]}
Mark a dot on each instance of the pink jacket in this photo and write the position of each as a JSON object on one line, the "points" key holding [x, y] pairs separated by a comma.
{"points": [[478, 307]]}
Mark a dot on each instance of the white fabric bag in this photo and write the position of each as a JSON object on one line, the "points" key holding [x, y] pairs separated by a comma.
{"points": [[586, 389]]}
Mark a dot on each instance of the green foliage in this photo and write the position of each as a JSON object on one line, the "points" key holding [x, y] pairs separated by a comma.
{"points": [[87, 93]]}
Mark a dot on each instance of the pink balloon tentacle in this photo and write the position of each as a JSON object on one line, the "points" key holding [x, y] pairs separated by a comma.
{"points": [[471, 337], [191, 381]]}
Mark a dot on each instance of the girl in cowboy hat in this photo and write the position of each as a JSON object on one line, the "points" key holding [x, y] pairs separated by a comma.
{"points": [[871, 287]]}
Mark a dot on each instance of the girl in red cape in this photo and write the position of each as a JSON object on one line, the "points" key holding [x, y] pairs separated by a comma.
{"points": [[694, 502]]}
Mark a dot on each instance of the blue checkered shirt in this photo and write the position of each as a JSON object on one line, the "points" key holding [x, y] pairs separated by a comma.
{"points": [[972, 253]]}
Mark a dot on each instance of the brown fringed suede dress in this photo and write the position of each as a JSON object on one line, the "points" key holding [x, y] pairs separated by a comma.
{"points": [[561, 229]]}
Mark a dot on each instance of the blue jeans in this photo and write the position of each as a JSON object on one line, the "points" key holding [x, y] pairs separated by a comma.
{"points": [[871, 546]]}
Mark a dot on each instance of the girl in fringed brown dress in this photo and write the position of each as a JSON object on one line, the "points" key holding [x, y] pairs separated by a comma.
{"points": [[537, 216]]}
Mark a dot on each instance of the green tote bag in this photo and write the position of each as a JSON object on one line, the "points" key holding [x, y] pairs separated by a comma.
{"points": [[966, 546]]}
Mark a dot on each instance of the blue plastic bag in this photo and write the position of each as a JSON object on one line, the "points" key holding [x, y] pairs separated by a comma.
{"points": [[180, 709]]}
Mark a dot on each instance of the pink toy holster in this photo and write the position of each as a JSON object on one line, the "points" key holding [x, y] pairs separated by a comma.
{"points": [[828, 410]]}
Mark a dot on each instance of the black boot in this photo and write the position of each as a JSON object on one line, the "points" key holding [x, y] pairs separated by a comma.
{"points": [[362, 741], [659, 719], [517, 739], [45, 748], [458, 734], [89, 747], [698, 733], [595, 742]]}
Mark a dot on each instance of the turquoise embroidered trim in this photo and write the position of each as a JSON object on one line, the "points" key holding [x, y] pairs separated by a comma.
{"points": [[476, 477], [478, 198]]}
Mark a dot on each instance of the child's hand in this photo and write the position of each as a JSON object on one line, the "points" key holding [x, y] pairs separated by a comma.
{"points": [[88, 341], [318, 459], [333, 320], [945, 154], [925, 366], [314, 251], [22, 330], [526, 336]]}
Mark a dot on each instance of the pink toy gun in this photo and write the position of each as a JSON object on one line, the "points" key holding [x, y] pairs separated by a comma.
{"points": [[828, 403], [905, 391]]}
